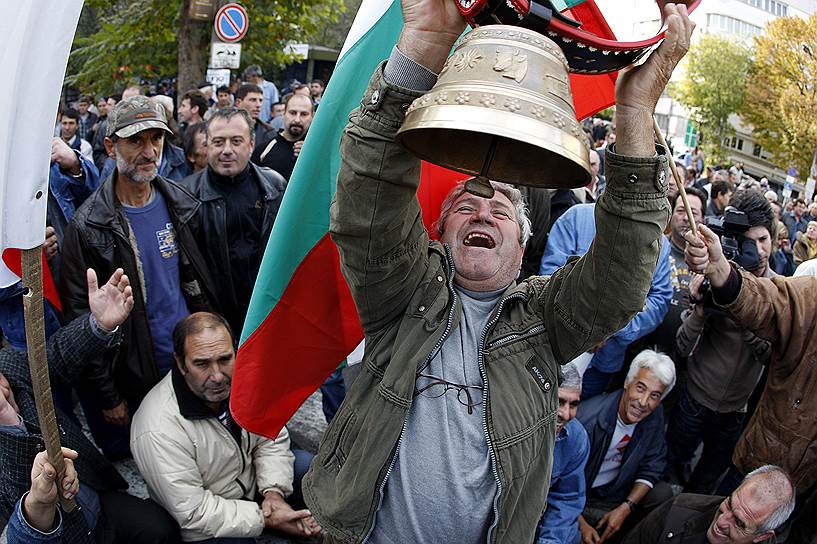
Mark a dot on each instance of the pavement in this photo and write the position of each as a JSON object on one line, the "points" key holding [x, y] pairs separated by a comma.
{"points": [[305, 430]]}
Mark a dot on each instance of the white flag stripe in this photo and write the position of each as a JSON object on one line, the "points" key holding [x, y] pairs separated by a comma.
{"points": [[367, 16], [35, 40]]}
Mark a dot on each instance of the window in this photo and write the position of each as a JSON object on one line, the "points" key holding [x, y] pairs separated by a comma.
{"points": [[731, 25], [775, 7], [757, 150]]}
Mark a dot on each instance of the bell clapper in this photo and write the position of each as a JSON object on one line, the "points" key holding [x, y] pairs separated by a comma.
{"points": [[481, 185]]}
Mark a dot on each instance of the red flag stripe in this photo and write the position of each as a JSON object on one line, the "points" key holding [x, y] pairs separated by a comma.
{"points": [[14, 260]]}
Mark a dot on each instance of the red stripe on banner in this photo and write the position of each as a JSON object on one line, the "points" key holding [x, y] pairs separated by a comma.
{"points": [[14, 260], [308, 333], [592, 19], [311, 330], [435, 183], [591, 94]]}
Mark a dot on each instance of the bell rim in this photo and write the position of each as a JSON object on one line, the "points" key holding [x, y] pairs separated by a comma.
{"points": [[414, 121]]}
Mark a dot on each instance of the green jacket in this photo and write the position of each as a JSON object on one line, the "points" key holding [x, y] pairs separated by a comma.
{"points": [[402, 284]]}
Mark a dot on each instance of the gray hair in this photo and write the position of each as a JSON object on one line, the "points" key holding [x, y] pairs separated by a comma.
{"points": [[774, 488], [253, 70], [656, 362], [513, 194], [571, 377], [227, 114]]}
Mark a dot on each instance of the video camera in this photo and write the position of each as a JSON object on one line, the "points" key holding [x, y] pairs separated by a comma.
{"points": [[731, 227]]}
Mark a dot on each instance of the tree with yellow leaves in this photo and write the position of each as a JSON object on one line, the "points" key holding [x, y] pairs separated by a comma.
{"points": [[781, 93]]}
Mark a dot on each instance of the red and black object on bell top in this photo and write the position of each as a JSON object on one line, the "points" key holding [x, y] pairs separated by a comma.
{"points": [[586, 53]]}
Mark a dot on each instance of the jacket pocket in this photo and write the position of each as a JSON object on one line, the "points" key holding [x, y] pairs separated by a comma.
{"points": [[338, 440]]}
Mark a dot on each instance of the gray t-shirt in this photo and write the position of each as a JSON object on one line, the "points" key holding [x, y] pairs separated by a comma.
{"points": [[442, 487]]}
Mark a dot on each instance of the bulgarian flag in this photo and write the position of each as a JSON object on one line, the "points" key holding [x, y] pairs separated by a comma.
{"points": [[302, 322], [35, 40]]}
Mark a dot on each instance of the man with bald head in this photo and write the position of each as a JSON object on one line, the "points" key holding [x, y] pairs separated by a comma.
{"points": [[752, 513]]}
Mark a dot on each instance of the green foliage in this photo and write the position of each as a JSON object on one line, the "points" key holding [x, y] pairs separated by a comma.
{"points": [[782, 95], [713, 88], [139, 38]]}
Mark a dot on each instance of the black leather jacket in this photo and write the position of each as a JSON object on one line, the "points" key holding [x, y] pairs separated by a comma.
{"points": [[213, 237], [99, 237]]}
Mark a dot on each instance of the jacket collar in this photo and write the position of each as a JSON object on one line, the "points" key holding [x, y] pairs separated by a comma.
{"points": [[190, 406], [608, 422], [207, 192], [180, 202]]}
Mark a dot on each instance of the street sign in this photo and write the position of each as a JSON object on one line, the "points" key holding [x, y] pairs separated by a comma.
{"points": [[231, 23], [225, 55], [202, 10], [218, 77], [788, 186]]}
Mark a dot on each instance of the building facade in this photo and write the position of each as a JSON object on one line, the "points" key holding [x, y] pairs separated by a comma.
{"points": [[741, 20]]}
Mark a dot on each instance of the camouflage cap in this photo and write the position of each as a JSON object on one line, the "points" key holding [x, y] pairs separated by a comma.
{"points": [[134, 115]]}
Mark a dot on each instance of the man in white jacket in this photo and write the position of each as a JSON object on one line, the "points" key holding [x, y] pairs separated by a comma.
{"points": [[198, 463]]}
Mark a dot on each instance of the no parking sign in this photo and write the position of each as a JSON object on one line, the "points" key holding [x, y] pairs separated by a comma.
{"points": [[231, 23]]}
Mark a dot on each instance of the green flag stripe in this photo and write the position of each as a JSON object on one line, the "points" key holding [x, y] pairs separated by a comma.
{"points": [[304, 215]]}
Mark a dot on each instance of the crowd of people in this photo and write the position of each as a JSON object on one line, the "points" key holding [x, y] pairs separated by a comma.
{"points": [[549, 366]]}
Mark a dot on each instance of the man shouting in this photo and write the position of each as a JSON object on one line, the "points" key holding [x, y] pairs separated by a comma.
{"points": [[447, 434]]}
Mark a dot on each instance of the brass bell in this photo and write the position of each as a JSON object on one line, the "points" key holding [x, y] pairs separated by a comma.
{"points": [[502, 110]]}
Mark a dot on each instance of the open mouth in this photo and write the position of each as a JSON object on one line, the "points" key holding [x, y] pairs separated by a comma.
{"points": [[479, 239], [717, 532]]}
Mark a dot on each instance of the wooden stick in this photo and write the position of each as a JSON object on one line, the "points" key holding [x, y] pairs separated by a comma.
{"points": [[678, 181], [38, 363]]}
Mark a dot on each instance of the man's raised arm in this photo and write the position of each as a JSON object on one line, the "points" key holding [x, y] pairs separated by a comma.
{"points": [[375, 216], [598, 294]]}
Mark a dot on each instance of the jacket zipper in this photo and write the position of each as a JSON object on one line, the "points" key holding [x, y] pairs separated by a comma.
{"points": [[511, 337], [239, 446], [433, 352], [491, 452]]}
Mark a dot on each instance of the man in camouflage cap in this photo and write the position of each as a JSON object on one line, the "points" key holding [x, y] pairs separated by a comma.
{"points": [[145, 224]]}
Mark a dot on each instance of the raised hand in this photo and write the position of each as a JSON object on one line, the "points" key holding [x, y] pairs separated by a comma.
{"points": [[639, 88], [704, 255], [62, 154], [430, 29], [112, 303]]}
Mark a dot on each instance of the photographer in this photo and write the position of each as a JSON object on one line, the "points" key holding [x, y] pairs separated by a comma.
{"points": [[783, 311], [724, 359]]}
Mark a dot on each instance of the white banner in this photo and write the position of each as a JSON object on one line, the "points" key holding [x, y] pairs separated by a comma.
{"points": [[35, 40]]}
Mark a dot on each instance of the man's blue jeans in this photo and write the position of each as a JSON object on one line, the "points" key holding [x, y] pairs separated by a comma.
{"points": [[690, 424]]}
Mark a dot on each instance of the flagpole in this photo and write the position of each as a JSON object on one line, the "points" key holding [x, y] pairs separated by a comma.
{"points": [[38, 363], [678, 181]]}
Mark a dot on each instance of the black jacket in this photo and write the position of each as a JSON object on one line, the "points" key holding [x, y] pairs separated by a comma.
{"points": [[213, 238], [100, 237], [682, 520], [68, 350]]}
